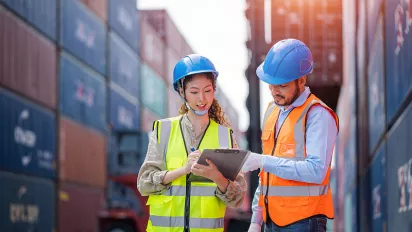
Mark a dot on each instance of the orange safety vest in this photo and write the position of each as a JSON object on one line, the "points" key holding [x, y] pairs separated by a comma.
{"points": [[287, 201]]}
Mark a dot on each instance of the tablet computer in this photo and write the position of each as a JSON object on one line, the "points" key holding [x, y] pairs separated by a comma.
{"points": [[228, 161]]}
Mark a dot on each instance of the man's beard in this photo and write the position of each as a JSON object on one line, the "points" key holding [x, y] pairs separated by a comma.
{"points": [[295, 96]]}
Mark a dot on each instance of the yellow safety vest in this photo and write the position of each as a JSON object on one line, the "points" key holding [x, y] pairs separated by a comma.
{"points": [[185, 204]]}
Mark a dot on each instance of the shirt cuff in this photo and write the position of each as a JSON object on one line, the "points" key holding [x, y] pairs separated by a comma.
{"points": [[257, 217]]}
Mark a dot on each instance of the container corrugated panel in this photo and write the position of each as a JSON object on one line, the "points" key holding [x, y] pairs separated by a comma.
{"points": [[123, 19], [124, 65], [124, 110], [28, 137], [144, 143], [171, 60], [39, 13], [83, 34], [399, 174], [373, 10], [26, 203], [124, 157], [82, 93], [121, 197], [27, 60], [377, 191], [82, 154], [98, 6], [148, 117], [174, 102], [350, 215], [153, 91], [79, 208], [398, 28], [376, 98], [152, 48]]}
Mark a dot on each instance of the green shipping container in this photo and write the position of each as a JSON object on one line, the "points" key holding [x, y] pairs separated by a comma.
{"points": [[153, 91]]}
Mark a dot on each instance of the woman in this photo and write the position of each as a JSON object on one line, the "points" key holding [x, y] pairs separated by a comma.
{"points": [[177, 203]]}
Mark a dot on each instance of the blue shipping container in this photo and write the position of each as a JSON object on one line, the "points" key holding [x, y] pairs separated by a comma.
{"points": [[83, 34], [123, 19], [124, 65], [153, 91], [398, 29], [376, 196], [26, 203], [82, 93], [124, 156], [376, 98], [40, 13], [399, 166], [124, 110], [27, 137]]}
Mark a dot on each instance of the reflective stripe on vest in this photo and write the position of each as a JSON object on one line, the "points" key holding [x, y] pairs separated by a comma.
{"points": [[203, 223], [295, 191], [194, 191]]}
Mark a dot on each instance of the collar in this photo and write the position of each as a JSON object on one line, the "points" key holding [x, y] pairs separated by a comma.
{"points": [[299, 101]]}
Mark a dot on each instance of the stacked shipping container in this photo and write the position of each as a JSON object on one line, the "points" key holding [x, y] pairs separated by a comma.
{"points": [[381, 138]]}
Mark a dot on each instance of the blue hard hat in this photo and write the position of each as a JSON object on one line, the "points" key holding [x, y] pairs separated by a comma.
{"points": [[286, 61], [192, 64]]}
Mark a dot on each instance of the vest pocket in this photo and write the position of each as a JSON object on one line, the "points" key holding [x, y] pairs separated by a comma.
{"points": [[267, 144]]}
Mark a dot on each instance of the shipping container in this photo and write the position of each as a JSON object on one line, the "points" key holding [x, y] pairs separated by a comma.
{"points": [[27, 137], [83, 34], [124, 20], [164, 26], [374, 8], [399, 174], [398, 53], [99, 7], [34, 75], [41, 14], [174, 102], [79, 208], [26, 203], [124, 65], [124, 110], [82, 154], [152, 48], [171, 60], [376, 197], [82, 93], [148, 117], [153, 91], [121, 197], [376, 92]]}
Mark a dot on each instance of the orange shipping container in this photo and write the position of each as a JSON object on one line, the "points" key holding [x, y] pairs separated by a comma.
{"points": [[148, 117], [82, 157], [98, 6], [27, 60], [79, 208]]}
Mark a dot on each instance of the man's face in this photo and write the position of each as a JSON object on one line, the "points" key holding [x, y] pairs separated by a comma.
{"points": [[285, 94]]}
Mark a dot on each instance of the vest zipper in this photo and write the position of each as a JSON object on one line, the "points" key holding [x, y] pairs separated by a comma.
{"points": [[187, 204]]}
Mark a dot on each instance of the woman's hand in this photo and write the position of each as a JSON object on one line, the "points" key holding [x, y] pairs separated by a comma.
{"points": [[211, 172], [191, 159]]}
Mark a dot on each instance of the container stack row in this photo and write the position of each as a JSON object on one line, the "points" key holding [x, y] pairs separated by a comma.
{"points": [[373, 153]]}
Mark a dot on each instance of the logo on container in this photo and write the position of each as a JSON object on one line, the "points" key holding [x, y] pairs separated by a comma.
{"points": [[85, 34], [24, 137], [20, 212], [403, 15], [405, 186], [83, 94], [124, 18], [376, 198], [125, 117]]}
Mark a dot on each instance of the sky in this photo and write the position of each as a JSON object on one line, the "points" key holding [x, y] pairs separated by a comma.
{"points": [[218, 30]]}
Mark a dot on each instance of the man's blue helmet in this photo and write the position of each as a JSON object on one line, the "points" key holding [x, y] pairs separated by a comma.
{"points": [[286, 61], [192, 64]]}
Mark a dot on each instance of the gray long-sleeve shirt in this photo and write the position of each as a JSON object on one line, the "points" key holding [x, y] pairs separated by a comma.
{"points": [[153, 170]]}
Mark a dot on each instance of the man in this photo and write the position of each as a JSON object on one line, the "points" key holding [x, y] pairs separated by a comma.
{"points": [[298, 137]]}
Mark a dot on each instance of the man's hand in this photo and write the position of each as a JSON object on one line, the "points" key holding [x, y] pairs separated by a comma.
{"points": [[253, 162], [254, 227]]}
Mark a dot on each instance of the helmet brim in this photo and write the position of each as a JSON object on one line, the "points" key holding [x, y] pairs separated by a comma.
{"points": [[216, 73], [269, 79]]}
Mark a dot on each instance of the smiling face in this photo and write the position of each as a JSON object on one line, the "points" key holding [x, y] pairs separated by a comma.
{"points": [[286, 94], [199, 91]]}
